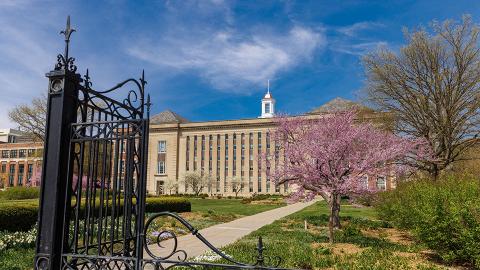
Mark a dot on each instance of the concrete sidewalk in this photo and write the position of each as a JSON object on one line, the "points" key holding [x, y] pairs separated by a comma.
{"points": [[226, 233]]}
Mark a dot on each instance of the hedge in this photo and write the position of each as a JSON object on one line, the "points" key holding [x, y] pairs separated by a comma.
{"points": [[18, 216], [22, 215], [445, 215], [20, 193]]}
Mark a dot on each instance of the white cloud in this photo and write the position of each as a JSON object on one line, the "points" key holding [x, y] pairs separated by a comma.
{"points": [[356, 39], [354, 29], [359, 48], [228, 62]]}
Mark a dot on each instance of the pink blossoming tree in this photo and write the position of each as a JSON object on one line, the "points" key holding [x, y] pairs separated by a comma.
{"points": [[330, 157]]}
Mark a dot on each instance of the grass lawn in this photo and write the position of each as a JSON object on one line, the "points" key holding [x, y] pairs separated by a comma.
{"points": [[205, 213], [363, 243], [209, 212], [229, 206]]}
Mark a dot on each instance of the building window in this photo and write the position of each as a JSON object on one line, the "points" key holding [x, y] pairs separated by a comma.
{"points": [[267, 107], [218, 148], [250, 142], [22, 153], [259, 142], [364, 182], [381, 183], [29, 171], [268, 142], [5, 154], [31, 152], [161, 167], [11, 175], [277, 152], [4, 168], [210, 150], [187, 162], [250, 184], [259, 183], [21, 171], [234, 172], [13, 153], [162, 146], [226, 156], [195, 152], [202, 155]]}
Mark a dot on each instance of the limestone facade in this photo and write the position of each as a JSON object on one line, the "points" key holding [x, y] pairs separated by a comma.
{"points": [[229, 152]]}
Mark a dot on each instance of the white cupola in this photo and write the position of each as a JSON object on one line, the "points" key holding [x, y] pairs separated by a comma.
{"points": [[268, 104]]}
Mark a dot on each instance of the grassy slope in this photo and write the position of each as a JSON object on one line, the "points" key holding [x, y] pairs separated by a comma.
{"points": [[364, 243]]}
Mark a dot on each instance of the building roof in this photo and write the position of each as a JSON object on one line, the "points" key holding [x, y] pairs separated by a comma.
{"points": [[167, 116], [268, 95], [337, 104]]}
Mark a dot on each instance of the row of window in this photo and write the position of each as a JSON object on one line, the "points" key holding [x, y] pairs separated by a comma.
{"points": [[162, 148], [19, 170], [21, 153], [235, 140]]}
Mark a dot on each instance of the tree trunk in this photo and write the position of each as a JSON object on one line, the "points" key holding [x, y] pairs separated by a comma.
{"points": [[334, 220], [434, 173]]}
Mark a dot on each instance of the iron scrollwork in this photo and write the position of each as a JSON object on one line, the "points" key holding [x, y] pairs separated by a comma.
{"points": [[176, 257]]}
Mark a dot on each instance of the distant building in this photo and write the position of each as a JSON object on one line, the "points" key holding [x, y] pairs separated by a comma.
{"points": [[19, 162], [9, 135], [227, 151]]}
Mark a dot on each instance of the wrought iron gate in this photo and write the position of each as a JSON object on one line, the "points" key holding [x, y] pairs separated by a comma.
{"points": [[92, 205]]}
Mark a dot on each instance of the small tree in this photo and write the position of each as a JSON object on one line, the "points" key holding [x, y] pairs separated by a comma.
{"points": [[196, 182], [31, 118], [329, 157], [171, 185], [237, 186], [209, 183]]}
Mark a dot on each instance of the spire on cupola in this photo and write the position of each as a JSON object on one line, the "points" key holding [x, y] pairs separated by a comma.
{"points": [[268, 104]]}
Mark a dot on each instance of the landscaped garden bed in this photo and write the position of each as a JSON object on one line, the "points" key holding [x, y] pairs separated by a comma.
{"points": [[364, 242]]}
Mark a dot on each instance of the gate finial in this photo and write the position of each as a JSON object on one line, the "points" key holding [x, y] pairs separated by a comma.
{"points": [[67, 33], [64, 61]]}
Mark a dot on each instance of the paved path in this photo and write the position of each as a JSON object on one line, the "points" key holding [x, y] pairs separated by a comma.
{"points": [[223, 234]]}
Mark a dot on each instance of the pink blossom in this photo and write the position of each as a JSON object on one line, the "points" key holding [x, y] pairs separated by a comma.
{"points": [[332, 154]]}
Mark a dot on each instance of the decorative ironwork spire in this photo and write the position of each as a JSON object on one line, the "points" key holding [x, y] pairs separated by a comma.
{"points": [[65, 61], [67, 33]]}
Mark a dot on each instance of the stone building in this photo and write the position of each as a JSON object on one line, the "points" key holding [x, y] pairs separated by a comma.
{"points": [[228, 152]]}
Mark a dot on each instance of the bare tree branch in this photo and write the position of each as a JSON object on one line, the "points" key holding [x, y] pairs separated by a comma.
{"points": [[432, 88]]}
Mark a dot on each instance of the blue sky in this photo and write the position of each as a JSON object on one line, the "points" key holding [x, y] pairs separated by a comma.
{"points": [[210, 59]]}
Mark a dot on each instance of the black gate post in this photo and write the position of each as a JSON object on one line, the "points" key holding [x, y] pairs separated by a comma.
{"points": [[61, 112]]}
